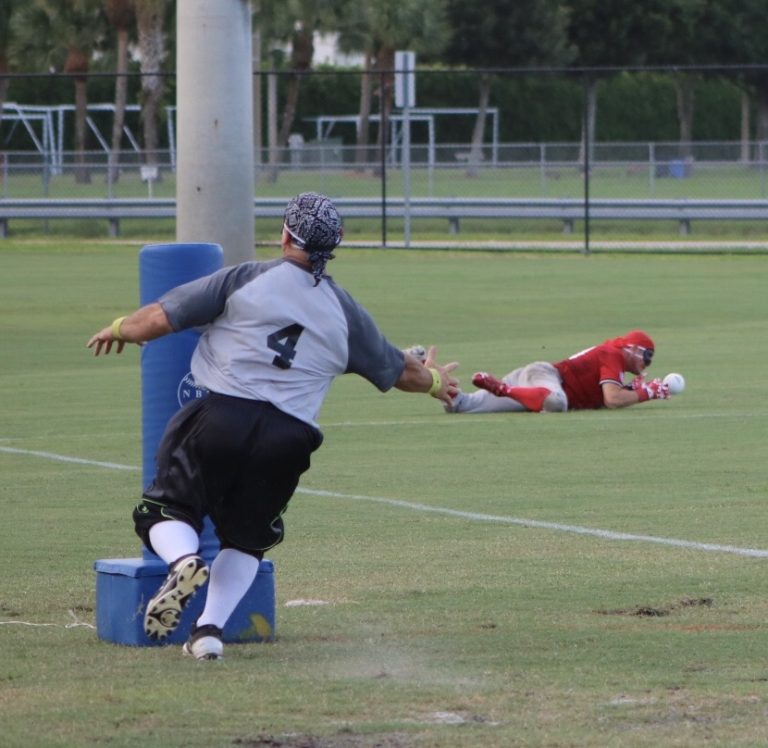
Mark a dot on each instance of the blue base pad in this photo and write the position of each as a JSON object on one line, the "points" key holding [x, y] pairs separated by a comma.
{"points": [[123, 586]]}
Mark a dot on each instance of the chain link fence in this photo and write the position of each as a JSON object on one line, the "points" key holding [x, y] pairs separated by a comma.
{"points": [[419, 176]]}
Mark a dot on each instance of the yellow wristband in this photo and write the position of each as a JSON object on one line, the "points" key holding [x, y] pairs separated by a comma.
{"points": [[437, 382], [116, 328]]}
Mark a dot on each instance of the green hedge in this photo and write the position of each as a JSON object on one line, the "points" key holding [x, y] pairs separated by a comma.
{"points": [[532, 108]]}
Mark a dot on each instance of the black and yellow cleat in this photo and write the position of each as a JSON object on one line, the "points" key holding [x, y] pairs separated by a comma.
{"points": [[163, 614]]}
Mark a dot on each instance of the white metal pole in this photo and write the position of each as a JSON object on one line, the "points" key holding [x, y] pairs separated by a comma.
{"points": [[405, 97], [215, 180], [407, 171], [257, 91]]}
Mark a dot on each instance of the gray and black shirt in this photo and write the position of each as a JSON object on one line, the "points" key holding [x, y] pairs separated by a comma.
{"points": [[270, 334]]}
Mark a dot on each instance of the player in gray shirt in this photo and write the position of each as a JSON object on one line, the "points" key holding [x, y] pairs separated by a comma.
{"points": [[275, 336]]}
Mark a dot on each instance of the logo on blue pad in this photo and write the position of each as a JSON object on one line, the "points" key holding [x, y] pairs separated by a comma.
{"points": [[188, 390]]}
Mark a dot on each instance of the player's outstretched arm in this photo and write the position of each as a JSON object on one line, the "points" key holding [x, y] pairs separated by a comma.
{"points": [[639, 391], [429, 377], [144, 324]]}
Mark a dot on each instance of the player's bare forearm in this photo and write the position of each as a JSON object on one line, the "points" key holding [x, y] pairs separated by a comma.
{"points": [[430, 378], [623, 401], [144, 324], [619, 397]]}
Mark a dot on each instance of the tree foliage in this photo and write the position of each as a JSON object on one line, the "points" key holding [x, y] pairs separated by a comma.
{"points": [[604, 35], [618, 33], [7, 8], [295, 22], [742, 40], [63, 36], [508, 33], [504, 33]]}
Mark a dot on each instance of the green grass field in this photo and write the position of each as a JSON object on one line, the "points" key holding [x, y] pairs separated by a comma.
{"points": [[449, 620]]}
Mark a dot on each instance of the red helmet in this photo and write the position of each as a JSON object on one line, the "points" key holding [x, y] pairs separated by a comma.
{"points": [[637, 337], [640, 339]]}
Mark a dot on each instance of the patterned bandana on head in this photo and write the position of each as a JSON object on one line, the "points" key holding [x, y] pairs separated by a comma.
{"points": [[315, 226]]}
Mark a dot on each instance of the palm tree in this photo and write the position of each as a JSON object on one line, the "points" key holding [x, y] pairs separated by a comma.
{"points": [[294, 21], [302, 52], [6, 11], [121, 16], [637, 32], [150, 20], [378, 28], [504, 33], [62, 35]]}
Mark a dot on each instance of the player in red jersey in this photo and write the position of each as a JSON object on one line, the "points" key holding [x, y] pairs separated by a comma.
{"points": [[590, 379]]}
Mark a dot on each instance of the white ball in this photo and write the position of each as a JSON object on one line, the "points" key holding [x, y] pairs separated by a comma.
{"points": [[675, 382]]}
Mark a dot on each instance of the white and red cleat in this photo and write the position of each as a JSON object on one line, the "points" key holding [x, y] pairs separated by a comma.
{"points": [[485, 381]]}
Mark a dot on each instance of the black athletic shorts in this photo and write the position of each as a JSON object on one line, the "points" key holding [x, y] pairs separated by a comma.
{"points": [[237, 461]]}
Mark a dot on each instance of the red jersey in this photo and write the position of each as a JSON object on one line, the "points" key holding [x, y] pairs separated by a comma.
{"points": [[584, 373]]}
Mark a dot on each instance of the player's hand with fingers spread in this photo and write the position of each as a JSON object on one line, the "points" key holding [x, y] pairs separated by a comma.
{"points": [[428, 376], [449, 384], [145, 324], [102, 342]]}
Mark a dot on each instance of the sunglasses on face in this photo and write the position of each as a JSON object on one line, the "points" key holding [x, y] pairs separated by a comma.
{"points": [[647, 354]]}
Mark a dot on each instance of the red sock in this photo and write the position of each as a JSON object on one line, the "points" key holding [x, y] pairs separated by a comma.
{"points": [[531, 397]]}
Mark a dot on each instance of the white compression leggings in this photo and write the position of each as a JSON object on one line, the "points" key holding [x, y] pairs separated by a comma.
{"points": [[537, 374]]}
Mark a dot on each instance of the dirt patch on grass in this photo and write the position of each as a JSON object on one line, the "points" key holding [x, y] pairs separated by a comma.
{"points": [[344, 740], [647, 611]]}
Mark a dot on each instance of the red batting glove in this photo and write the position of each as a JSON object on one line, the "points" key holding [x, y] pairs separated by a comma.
{"points": [[637, 383], [653, 390]]}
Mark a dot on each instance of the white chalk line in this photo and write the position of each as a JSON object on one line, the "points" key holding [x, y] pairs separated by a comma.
{"points": [[75, 623], [472, 516], [576, 529], [64, 458], [444, 419]]}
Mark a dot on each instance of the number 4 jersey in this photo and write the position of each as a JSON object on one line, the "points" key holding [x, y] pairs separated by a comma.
{"points": [[268, 333]]}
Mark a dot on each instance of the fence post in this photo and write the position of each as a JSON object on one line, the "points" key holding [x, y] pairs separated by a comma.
{"points": [[587, 167], [383, 140]]}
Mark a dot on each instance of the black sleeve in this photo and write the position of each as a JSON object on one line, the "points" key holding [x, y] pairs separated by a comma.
{"points": [[371, 355]]}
